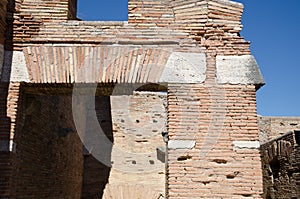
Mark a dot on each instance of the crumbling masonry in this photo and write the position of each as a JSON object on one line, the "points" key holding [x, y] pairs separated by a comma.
{"points": [[191, 50]]}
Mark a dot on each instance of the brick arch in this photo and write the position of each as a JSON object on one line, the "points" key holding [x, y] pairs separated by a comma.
{"points": [[106, 64]]}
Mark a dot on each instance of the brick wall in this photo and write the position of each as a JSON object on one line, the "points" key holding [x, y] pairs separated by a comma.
{"points": [[218, 129], [150, 13], [194, 23], [280, 160], [213, 24], [3, 5], [25, 17], [48, 152], [274, 127]]}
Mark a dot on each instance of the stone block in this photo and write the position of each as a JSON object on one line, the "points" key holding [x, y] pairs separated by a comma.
{"points": [[185, 68], [238, 70], [181, 144]]}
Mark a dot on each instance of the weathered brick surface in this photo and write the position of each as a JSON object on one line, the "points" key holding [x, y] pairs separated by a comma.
{"points": [[213, 24], [274, 127], [280, 160], [193, 114], [3, 5], [26, 17], [110, 64]]}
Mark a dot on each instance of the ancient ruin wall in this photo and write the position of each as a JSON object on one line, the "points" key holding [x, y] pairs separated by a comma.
{"points": [[230, 80], [274, 127], [226, 148], [281, 168]]}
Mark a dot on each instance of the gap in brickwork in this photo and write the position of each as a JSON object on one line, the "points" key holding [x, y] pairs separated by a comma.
{"points": [[105, 10]]}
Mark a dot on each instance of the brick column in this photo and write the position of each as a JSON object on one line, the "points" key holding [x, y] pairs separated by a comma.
{"points": [[213, 148]]}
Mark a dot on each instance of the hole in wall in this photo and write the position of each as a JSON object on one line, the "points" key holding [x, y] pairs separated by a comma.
{"points": [[151, 161], [206, 182], [220, 161], [232, 175], [275, 167], [247, 195], [184, 158]]}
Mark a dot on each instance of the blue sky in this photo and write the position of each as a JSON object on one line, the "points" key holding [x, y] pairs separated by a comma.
{"points": [[273, 27]]}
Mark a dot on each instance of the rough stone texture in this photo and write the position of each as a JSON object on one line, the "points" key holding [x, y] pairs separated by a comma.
{"points": [[138, 122], [274, 127], [280, 160], [130, 191], [238, 70]]}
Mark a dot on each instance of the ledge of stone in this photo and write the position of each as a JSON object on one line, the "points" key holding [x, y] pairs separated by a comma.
{"points": [[245, 145], [181, 144], [238, 70]]}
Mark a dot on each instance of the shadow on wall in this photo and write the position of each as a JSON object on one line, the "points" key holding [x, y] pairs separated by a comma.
{"points": [[50, 160], [5, 121], [96, 174]]}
